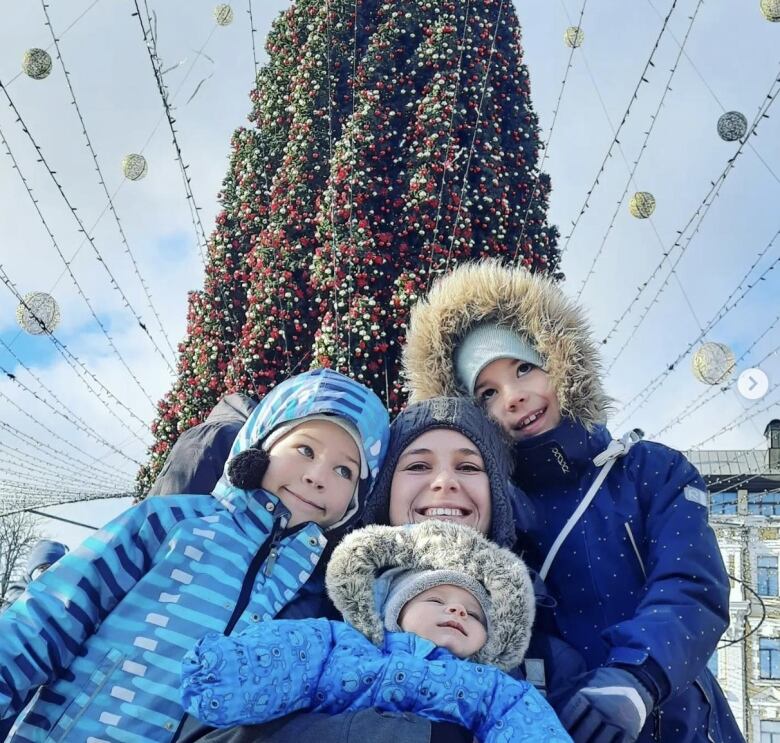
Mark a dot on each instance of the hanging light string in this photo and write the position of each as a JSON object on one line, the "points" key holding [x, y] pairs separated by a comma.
{"points": [[31, 472], [76, 283], [110, 202], [653, 120], [615, 140], [546, 145], [449, 157], [72, 209], [714, 95], [700, 213], [58, 455], [72, 360], [477, 123], [61, 518], [23, 499], [641, 397], [78, 422], [711, 395]]}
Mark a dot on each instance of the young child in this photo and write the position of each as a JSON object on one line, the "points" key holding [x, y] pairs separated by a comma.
{"points": [[621, 534], [104, 630], [417, 599]]}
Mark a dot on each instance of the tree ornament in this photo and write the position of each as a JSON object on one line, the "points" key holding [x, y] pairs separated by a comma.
{"points": [[134, 167], [713, 363], [223, 14], [771, 10], [38, 309], [732, 126], [642, 204], [574, 36], [36, 63]]}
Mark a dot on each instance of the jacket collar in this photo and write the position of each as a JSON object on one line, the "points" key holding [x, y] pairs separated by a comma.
{"points": [[406, 642], [559, 455]]}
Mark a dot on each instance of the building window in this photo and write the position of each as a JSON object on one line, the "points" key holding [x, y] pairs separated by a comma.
{"points": [[769, 657], [764, 504], [712, 664], [770, 731], [723, 503], [767, 575]]}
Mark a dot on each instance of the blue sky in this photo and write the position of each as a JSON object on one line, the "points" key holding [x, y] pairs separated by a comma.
{"points": [[731, 59]]}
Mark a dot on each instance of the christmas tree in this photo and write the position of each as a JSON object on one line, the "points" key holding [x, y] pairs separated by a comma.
{"points": [[389, 141]]}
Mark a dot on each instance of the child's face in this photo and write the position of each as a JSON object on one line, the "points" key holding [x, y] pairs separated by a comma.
{"points": [[519, 396], [448, 616], [313, 471], [441, 475]]}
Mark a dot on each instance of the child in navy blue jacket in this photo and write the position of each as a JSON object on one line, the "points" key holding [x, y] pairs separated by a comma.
{"points": [[621, 534]]}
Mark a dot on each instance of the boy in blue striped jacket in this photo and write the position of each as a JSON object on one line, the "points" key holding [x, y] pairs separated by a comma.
{"points": [[102, 633]]}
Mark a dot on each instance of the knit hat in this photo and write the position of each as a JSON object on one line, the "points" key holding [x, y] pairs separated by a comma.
{"points": [[45, 552], [462, 415], [404, 558], [485, 343], [401, 586]]}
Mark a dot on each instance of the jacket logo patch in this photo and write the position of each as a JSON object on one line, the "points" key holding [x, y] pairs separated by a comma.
{"points": [[696, 495]]}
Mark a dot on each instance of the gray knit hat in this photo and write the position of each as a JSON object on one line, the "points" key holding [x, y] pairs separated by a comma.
{"points": [[483, 345], [462, 415], [400, 586]]}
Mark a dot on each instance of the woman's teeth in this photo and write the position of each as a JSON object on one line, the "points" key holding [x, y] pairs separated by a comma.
{"points": [[443, 512]]}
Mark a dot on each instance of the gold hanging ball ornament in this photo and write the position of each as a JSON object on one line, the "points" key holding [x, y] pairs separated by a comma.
{"points": [[574, 36], [732, 126], [36, 63], [38, 313], [642, 204], [223, 14], [134, 167], [713, 363], [771, 10]]}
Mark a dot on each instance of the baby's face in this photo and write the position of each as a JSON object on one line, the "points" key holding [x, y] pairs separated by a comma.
{"points": [[448, 616], [519, 396], [313, 471]]}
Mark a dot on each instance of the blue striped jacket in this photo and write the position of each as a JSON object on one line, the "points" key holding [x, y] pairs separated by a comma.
{"points": [[103, 632]]}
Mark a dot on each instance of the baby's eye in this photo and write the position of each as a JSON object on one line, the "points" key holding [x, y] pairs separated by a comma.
{"points": [[306, 450], [435, 599], [344, 471], [476, 616], [523, 368]]}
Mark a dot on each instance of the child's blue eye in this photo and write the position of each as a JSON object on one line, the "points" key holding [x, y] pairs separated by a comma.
{"points": [[306, 450], [344, 471]]}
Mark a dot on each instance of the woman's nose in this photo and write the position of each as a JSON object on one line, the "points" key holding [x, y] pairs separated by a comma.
{"points": [[445, 480]]}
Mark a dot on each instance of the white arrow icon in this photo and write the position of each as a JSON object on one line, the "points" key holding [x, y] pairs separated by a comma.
{"points": [[753, 384]]}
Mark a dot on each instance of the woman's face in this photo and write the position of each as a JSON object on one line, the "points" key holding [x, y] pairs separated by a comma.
{"points": [[441, 475]]}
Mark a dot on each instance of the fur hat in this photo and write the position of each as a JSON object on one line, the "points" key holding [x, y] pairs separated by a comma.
{"points": [[435, 545], [530, 305], [462, 415]]}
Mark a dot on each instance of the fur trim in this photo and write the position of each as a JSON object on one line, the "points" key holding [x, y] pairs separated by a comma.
{"points": [[529, 304], [435, 545]]}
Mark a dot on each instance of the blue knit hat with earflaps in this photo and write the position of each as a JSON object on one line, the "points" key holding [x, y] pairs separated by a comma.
{"points": [[462, 415]]}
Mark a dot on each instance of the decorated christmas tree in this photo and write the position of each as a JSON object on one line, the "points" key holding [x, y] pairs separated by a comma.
{"points": [[389, 141]]}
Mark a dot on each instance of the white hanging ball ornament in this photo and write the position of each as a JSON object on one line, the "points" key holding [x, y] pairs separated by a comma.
{"points": [[36, 310], [223, 14], [713, 363], [642, 204], [732, 126], [574, 36], [771, 10], [134, 167], [36, 63]]}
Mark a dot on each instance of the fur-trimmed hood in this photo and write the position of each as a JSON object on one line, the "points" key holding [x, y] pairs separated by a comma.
{"points": [[435, 545], [529, 304]]}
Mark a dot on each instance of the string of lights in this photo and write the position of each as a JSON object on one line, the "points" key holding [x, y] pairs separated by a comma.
{"points": [[67, 263], [546, 146], [110, 201], [15, 500], [747, 415], [700, 213], [632, 172], [641, 397], [52, 174], [615, 139], [31, 472]]}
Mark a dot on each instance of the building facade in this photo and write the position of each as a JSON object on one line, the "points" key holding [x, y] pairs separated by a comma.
{"points": [[744, 488]]}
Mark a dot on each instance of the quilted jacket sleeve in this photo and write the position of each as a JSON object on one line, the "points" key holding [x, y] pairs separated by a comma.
{"points": [[47, 626], [684, 609]]}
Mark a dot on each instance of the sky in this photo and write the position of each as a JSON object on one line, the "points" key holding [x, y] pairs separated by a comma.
{"points": [[729, 61]]}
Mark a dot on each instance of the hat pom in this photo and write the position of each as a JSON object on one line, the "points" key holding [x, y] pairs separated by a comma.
{"points": [[247, 469]]}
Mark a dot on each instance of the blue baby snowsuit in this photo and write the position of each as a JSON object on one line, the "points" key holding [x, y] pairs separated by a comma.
{"points": [[104, 630]]}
